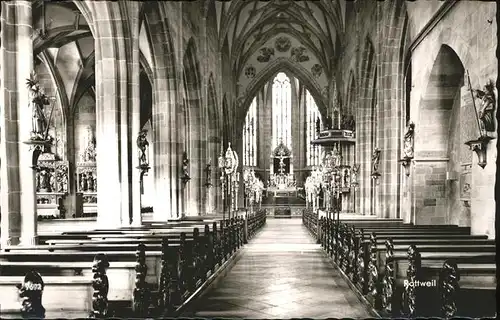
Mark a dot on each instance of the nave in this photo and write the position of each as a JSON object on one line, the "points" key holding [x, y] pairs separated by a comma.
{"points": [[281, 274]]}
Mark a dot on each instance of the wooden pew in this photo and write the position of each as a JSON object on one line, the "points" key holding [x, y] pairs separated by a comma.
{"points": [[60, 259], [344, 242]]}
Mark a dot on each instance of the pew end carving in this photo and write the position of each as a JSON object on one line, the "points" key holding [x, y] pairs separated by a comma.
{"points": [[100, 284], [388, 280], [449, 288], [30, 293], [410, 301], [142, 293]]}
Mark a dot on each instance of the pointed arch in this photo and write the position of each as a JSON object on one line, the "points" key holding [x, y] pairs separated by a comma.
{"points": [[289, 67]]}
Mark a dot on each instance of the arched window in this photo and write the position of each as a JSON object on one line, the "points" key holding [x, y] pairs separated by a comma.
{"points": [[313, 152], [250, 136], [282, 111]]}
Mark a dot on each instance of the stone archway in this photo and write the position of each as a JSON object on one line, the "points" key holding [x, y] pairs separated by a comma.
{"points": [[437, 142]]}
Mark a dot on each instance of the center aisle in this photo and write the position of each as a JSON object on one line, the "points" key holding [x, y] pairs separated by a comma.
{"points": [[282, 273]]}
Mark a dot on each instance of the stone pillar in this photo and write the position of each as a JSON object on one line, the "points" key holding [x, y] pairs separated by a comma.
{"points": [[117, 101], [18, 187], [135, 121]]}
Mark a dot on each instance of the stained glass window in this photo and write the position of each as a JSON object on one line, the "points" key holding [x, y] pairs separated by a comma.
{"points": [[250, 136], [282, 111], [313, 152]]}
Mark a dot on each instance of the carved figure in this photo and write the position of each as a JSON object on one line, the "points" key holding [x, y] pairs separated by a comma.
{"points": [[343, 123], [44, 180], [282, 44], [354, 175], [83, 182], [90, 181], [375, 159], [142, 144], [486, 107], [100, 284], [346, 177], [329, 123], [297, 54], [316, 70], [208, 172], [265, 54], [409, 140], [351, 123], [30, 291], [89, 154], [37, 181], [38, 99], [318, 125]]}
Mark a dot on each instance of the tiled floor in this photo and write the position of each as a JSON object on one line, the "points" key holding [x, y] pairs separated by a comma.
{"points": [[281, 274]]}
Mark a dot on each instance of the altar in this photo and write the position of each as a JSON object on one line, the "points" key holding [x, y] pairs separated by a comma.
{"points": [[281, 181]]}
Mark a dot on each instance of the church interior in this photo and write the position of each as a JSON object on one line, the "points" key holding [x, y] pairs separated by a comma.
{"points": [[248, 159]]}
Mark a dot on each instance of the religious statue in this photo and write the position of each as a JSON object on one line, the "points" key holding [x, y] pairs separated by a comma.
{"points": [[351, 123], [354, 175], [208, 173], [375, 159], [89, 154], [142, 144], [90, 182], [409, 140], [44, 180], [38, 99], [346, 178], [343, 122], [318, 125], [83, 182], [486, 107], [329, 123]]}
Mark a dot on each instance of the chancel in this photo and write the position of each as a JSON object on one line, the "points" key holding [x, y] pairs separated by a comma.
{"points": [[248, 159]]}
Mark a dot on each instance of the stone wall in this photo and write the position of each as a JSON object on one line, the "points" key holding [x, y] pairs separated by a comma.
{"points": [[466, 31]]}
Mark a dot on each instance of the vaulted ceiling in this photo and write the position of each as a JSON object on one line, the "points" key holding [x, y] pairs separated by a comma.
{"points": [[264, 37], [245, 27]]}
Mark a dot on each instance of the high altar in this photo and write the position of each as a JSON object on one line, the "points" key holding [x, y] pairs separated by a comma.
{"points": [[281, 181]]}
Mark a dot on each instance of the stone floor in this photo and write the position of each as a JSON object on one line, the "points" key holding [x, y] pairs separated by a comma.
{"points": [[281, 274]]}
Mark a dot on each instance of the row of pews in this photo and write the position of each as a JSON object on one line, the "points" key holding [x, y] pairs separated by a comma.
{"points": [[408, 270], [152, 271]]}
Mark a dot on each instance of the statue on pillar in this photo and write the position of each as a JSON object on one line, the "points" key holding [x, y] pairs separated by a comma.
{"points": [[318, 125], [354, 175], [38, 100], [409, 139], [329, 123], [351, 123], [486, 107], [375, 160], [142, 144], [208, 173]]}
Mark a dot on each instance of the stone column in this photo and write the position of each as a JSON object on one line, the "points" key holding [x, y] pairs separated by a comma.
{"points": [[18, 188], [117, 101], [135, 120]]}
